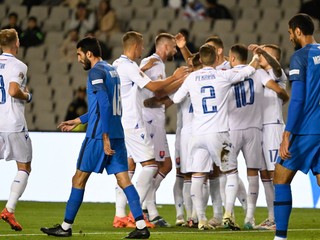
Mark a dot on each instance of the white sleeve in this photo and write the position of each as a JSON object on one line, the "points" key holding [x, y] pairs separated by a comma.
{"points": [[264, 77], [18, 73], [134, 73], [178, 131], [181, 92], [235, 75]]}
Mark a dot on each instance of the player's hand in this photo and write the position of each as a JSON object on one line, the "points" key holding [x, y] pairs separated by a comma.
{"points": [[107, 146], [149, 64], [69, 125], [180, 40], [284, 146], [182, 72], [255, 48]]}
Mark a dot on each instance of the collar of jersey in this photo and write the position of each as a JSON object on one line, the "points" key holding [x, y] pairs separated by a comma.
{"points": [[125, 57], [7, 54], [157, 57], [240, 66], [207, 68]]}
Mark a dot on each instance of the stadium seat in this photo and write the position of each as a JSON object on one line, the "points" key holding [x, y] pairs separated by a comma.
{"points": [[37, 66], [46, 121], [53, 53], [268, 3], [3, 11], [40, 12], [144, 13], [266, 26], [22, 11], [230, 3], [156, 25], [247, 38], [35, 53], [166, 13], [228, 38], [272, 13], [179, 24], [267, 38], [201, 26], [289, 12], [244, 26], [138, 25], [141, 3], [247, 3], [52, 25], [57, 68], [251, 13], [54, 38], [223, 25]]}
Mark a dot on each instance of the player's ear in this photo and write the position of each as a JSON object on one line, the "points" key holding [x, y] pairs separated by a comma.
{"points": [[219, 51]]}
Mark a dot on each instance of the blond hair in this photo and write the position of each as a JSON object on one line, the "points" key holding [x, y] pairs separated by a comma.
{"points": [[8, 38], [131, 38]]}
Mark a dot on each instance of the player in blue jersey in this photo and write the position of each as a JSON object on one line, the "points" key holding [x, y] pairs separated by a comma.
{"points": [[300, 147], [103, 146]]}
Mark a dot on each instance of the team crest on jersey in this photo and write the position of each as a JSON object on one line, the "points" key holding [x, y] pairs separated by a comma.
{"points": [[21, 75], [161, 154]]}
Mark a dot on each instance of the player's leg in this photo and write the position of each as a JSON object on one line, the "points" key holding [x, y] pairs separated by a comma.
{"points": [[178, 197], [215, 197], [283, 200], [22, 152]]}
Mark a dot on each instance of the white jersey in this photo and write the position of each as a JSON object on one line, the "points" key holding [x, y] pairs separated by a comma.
{"points": [[223, 66], [272, 104], [12, 109], [154, 73], [208, 89], [132, 81], [246, 101]]}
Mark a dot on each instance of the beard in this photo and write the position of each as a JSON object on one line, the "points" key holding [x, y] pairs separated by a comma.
{"points": [[86, 64], [296, 44], [170, 58]]}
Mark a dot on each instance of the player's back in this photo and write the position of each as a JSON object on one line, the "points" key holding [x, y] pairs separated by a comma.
{"points": [[154, 73], [132, 80], [111, 84], [246, 101], [305, 66], [11, 109], [208, 92], [272, 104]]}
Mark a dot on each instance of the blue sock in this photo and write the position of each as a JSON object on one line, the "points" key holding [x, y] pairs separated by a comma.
{"points": [[282, 208], [73, 204], [134, 202]]}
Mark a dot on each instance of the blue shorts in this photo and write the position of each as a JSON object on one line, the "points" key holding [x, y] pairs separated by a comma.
{"points": [[93, 159], [305, 154]]}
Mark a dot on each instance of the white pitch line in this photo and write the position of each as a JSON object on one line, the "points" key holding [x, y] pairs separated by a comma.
{"points": [[155, 233]]}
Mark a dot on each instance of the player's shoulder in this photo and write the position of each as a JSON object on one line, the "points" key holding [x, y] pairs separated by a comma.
{"points": [[18, 63]]}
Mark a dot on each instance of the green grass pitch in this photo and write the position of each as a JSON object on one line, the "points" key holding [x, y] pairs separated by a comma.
{"points": [[94, 222]]}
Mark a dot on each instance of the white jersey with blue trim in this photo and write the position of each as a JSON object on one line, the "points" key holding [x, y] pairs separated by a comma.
{"points": [[12, 109], [272, 104], [132, 81], [154, 73], [208, 89], [223, 66], [246, 101]]}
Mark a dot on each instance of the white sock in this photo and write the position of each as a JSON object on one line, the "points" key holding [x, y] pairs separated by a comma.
{"points": [[186, 192], [65, 226], [158, 179], [242, 195], [253, 192], [140, 224], [150, 201], [269, 192], [178, 196], [17, 188], [121, 201], [223, 181], [279, 238], [206, 193], [231, 191], [144, 180], [197, 196], [216, 198]]}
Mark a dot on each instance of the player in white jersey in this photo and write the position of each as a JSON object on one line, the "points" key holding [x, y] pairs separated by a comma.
{"points": [[154, 119], [15, 143], [216, 178], [245, 119], [138, 142], [273, 125], [210, 142]]}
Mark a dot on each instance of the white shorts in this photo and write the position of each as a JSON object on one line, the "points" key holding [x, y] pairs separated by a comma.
{"points": [[158, 137], [204, 150], [184, 154], [16, 146], [271, 140], [249, 141], [139, 145]]}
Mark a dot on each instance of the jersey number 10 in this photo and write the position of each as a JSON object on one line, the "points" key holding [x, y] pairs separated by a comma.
{"points": [[242, 98]]}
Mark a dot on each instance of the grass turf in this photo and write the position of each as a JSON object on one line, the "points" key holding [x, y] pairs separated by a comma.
{"points": [[94, 222]]}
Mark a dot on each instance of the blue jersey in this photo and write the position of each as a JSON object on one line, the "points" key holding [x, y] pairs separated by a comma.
{"points": [[305, 67], [103, 88]]}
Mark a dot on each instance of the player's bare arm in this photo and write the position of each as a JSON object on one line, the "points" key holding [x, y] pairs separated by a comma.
{"points": [[155, 102], [106, 145], [284, 146], [282, 93], [149, 64], [69, 125], [16, 92], [181, 44]]}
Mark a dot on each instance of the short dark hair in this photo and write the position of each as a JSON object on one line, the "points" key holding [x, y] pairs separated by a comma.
{"points": [[90, 44], [216, 41], [13, 14], [276, 49], [196, 60], [32, 18], [207, 54], [303, 22], [241, 51], [162, 36]]}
